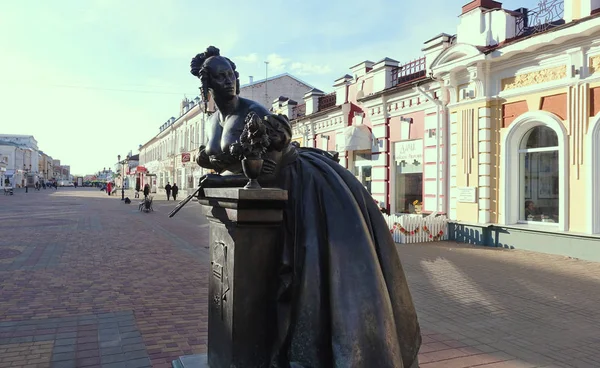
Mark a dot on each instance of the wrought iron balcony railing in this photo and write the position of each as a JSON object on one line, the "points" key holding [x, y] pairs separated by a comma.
{"points": [[409, 72], [549, 14], [327, 101]]}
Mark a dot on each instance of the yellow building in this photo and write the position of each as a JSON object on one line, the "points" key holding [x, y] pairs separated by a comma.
{"points": [[522, 89]]}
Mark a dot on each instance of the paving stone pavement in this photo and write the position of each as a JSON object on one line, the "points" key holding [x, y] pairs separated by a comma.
{"points": [[88, 281]]}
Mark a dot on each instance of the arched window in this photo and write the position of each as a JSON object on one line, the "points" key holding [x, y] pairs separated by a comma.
{"points": [[539, 176], [534, 172]]}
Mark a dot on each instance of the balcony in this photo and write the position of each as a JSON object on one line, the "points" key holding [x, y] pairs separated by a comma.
{"points": [[327, 101], [409, 72], [547, 15]]}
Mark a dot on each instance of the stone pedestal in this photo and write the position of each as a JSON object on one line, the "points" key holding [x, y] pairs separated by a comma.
{"points": [[245, 236]]}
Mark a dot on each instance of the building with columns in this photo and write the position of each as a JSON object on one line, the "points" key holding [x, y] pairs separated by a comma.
{"points": [[522, 90], [495, 126]]}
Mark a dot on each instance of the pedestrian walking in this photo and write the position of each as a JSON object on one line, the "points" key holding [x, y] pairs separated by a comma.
{"points": [[109, 187], [175, 189], [146, 190], [168, 190]]}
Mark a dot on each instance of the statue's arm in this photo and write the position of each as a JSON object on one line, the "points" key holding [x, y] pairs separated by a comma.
{"points": [[203, 159]]}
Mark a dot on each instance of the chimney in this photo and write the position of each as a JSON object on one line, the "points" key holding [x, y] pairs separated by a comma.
{"points": [[382, 74], [182, 106], [341, 89], [276, 106], [287, 107], [484, 23], [251, 79], [483, 4], [311, 98], [361, 69]]}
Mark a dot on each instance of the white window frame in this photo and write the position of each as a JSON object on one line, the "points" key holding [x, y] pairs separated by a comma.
{"points": [[522, 200], [593, 185], [510, 203]]}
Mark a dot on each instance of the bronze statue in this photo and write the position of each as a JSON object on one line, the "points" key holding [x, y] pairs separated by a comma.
{"points": [[343, 299]]}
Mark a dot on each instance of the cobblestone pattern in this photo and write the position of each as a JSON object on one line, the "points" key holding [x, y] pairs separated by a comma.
{"points": [[522, 309], [107, 339]]}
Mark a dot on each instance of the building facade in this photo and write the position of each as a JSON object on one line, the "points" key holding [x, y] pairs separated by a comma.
{"points": [[19, 164], [382, 121], [496, 126], [522, 89]]}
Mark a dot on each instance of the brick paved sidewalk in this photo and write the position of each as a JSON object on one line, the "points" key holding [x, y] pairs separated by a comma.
{"points": [[503, 308], [88, 281]]}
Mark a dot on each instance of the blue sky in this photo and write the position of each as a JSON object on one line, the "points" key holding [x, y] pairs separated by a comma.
{"points": [[93, 79]]}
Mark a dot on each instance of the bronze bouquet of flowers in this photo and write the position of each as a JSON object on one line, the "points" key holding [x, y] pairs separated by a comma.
{"points": [[252, 145]]}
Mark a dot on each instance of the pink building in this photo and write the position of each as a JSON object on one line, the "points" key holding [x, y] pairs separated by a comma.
{"points": [[385, 121]]}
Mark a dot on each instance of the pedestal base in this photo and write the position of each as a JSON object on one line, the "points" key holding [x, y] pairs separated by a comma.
{"points": [[191, 361]]}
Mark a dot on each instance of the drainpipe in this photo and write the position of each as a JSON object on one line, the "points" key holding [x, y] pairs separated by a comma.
{"points": [[440, 108], [388, 159]]}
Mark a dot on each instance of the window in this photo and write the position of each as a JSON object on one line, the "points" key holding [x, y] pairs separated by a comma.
{"points": [[539, 176], [408, 160], [363, 168]]}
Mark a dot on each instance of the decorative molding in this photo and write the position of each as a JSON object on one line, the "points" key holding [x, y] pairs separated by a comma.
{"points": [[577, 116], [466, 124], [594, 64], [540, 76], [593, 182]]}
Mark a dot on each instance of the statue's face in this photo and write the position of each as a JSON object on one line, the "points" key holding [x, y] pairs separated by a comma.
{"points": [[222, 77]]}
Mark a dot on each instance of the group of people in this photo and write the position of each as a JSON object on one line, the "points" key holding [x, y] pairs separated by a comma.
{"points": [[171, 190]]}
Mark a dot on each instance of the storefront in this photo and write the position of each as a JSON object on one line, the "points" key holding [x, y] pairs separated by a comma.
{"points": [[408, 176]]}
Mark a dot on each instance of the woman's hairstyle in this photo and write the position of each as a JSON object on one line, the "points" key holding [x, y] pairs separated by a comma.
{"points": [[199, 68]]}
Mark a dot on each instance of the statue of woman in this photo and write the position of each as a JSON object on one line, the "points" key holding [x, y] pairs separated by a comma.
{"points": [[343, 299]]}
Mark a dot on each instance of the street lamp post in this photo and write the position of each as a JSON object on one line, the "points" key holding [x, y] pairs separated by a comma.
{"points": [[122, 168], [26, 175]]}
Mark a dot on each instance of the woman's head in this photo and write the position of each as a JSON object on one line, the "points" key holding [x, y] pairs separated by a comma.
{"points": [[216, 73]]}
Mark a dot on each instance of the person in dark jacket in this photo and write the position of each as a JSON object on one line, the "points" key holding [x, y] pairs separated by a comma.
{"points": [[175, 189], [146, 190], [168, 190]]}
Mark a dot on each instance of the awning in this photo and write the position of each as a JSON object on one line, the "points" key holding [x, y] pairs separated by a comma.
{"points": [[357, 138], [141, 169]]}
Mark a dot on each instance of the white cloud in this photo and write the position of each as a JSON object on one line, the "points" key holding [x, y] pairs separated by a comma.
{"points": [[277, 63], [250, 58], [308, 69]]}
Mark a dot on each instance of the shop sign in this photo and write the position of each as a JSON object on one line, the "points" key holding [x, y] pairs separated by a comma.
{"points": [[409, 151], [185, 157], [467, 194]]}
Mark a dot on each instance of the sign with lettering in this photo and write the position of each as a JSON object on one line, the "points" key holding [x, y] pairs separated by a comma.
{"points": [[409, 151], [467, 194]]}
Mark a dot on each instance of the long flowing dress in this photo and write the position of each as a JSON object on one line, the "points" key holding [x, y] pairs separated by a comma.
{"points": [[344, 300]]}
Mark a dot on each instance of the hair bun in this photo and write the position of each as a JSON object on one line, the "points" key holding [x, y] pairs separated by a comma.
{"points": [[199, 59], [212, 51]]}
